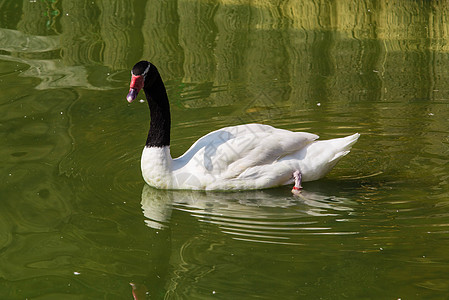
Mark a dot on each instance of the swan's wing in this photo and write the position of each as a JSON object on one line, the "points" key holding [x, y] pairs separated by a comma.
{"points": [[229, 151]]}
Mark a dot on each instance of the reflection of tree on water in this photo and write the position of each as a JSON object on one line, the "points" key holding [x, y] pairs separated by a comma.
{"points": [[53, 73], [201, 41]]}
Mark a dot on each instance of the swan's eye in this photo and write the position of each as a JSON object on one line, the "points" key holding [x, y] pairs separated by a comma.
{"points": [[141, 68]]}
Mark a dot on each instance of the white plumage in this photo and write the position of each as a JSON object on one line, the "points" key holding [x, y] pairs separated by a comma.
{"points": [[243, 157]]}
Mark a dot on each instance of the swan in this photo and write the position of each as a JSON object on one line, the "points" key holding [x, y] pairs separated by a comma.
{"points": [[242, 157]]}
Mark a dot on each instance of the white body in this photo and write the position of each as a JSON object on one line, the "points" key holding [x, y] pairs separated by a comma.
{"points": [[244, 157]]}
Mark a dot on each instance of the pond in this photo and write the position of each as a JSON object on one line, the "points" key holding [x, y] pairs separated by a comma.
{"points": [[77, 221]]}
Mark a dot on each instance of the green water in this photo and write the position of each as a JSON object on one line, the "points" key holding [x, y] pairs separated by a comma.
{"points": [[78, 222]]}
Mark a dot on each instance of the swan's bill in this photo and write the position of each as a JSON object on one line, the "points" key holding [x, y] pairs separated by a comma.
{"points": [[132, 95]]}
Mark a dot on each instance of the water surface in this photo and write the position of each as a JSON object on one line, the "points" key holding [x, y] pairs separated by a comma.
{"points": [[78, 222]]}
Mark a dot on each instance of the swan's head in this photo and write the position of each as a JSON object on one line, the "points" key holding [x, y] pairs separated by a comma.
{"points": [[138, 78]]}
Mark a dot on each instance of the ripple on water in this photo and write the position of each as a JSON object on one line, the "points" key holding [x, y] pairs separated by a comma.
{"points": [[256, 216], [103, 162]]}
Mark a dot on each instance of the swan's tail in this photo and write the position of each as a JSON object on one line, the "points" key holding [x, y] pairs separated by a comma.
{"points": [[342, 146], [322, 156]]}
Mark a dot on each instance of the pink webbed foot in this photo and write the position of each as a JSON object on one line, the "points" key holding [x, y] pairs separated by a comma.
{"points": [[139, 291], [296, 190]]}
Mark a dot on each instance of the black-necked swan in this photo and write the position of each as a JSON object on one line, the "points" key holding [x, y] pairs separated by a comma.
{"points": [[242, 157]]}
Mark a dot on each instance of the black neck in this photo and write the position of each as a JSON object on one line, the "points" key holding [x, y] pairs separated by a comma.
{"points": [[159, 133]]}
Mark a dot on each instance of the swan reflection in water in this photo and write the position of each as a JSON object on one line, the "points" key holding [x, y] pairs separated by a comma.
{"points": [[269, 216]]}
